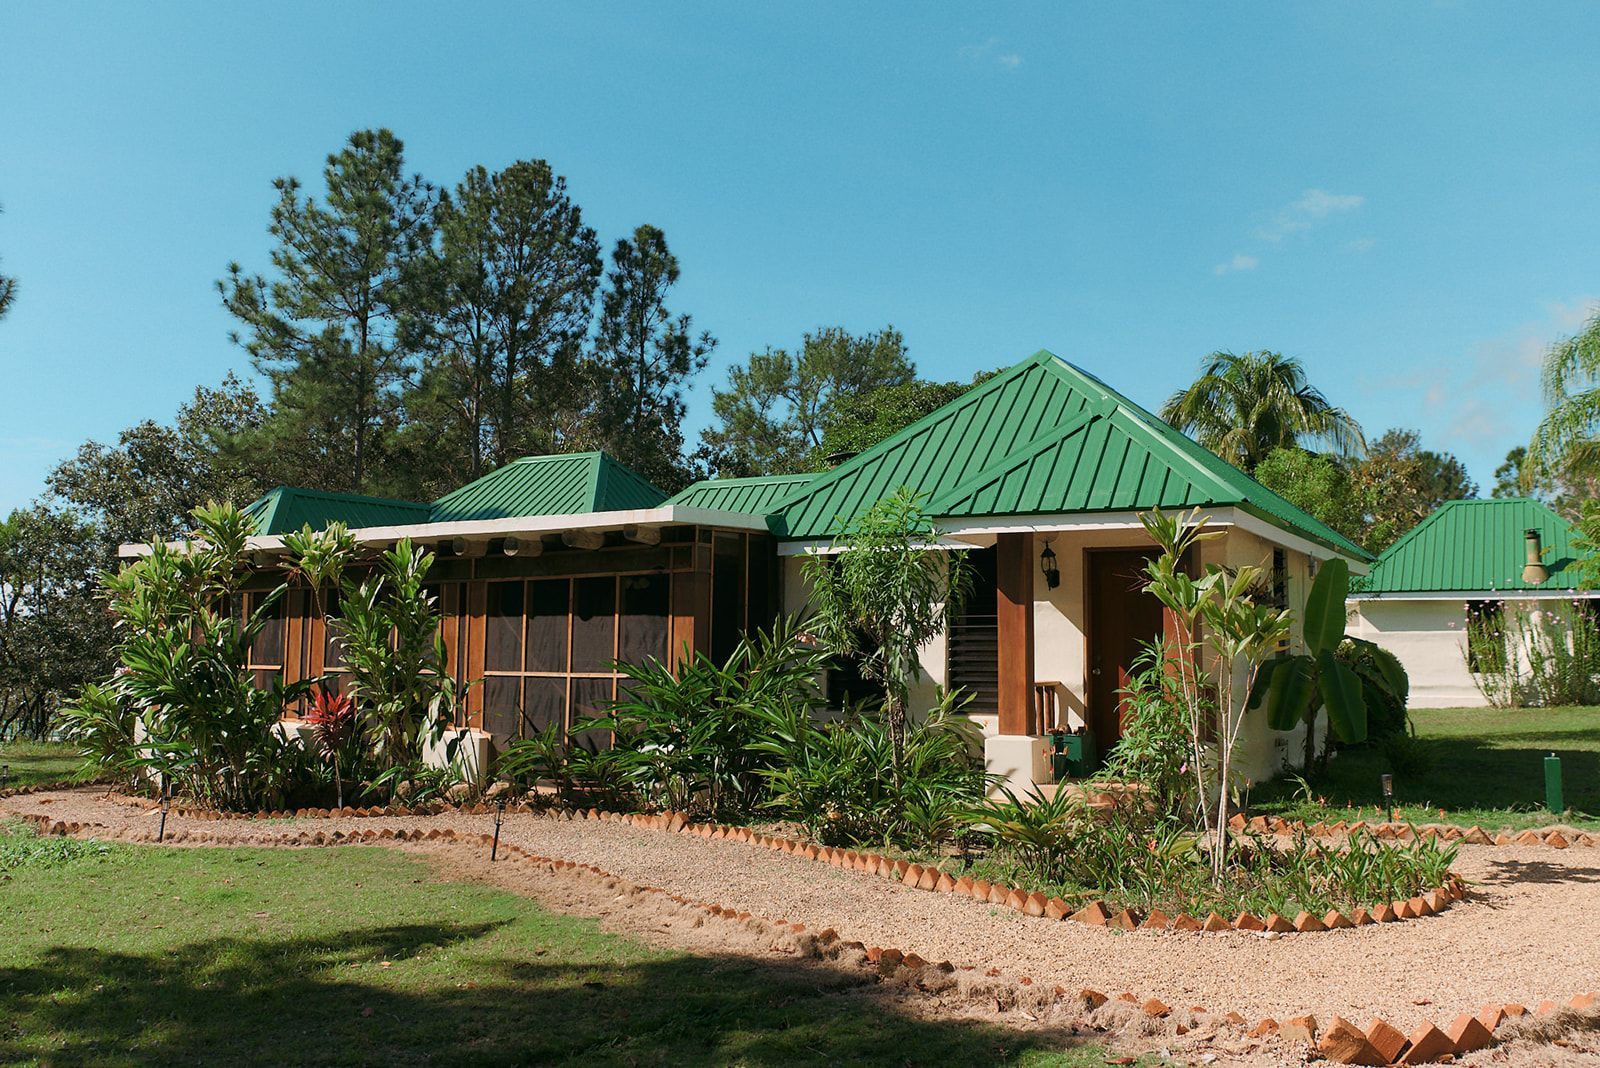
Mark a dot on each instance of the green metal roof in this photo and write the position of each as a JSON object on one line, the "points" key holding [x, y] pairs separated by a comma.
{"points": [[549, 485], [1475, 546], [288, 508], [1043, 437], [760, 495]]}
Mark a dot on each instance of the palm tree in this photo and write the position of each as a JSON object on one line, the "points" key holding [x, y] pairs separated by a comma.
{"points": [[1565, 444], [1245, 405]]}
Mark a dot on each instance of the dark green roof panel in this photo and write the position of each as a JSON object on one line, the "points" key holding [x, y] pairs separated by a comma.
{"points": [[751, 496], [288, 508], [549, 485], [1475, 547], [1044, 437]]}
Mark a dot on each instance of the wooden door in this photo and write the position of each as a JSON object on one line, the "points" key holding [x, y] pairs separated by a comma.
{"points": [[1123, 619]]}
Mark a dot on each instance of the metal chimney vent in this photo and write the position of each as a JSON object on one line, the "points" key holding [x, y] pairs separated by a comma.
{"points": [[1534, 572]]}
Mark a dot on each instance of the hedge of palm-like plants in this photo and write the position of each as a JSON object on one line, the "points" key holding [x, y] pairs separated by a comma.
{"points": [[184, 709]]}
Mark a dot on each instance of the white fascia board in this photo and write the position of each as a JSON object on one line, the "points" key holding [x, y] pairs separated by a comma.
{"points": [[522, 526], [966, 533], [1478, 595]]}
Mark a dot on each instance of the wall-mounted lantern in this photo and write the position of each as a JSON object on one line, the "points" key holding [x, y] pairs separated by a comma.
{"points": [[1047, 564]]}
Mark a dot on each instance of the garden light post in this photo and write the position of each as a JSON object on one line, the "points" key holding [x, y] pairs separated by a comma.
{"points": [[499, 817], [1388, 795], [166, 803], [5, 776]]}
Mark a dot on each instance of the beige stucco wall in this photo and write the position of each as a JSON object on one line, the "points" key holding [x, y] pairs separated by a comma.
{"points": [[1060, 622], [1429, 639]]}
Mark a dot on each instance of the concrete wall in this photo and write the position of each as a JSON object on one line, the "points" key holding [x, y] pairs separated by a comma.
{"points": [[1429, 638]]}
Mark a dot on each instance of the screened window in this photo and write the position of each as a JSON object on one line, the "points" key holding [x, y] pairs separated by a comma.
{"points": [[550, 647], [264, 658]]}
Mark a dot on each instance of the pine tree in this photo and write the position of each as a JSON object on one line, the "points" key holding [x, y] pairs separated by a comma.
{"points": [[326, 329], [643, 357], [778, 407], [507, 300]]}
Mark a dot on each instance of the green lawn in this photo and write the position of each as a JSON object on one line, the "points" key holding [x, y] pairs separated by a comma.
{"points": [[126, 955], [1484, 766], [32, 762]]}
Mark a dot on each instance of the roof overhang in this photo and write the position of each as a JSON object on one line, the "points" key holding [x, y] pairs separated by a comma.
{"points": [[519, 526], [981, 531], [1476, 595]]}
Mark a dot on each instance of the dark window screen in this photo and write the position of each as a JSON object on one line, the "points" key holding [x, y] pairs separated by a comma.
{"points": [[500, 707], [593, 623], [268, 646], [591, 697], [727, 595], [645, 616], [544, 704], [547, 625], [502, 643], [758, 584]]}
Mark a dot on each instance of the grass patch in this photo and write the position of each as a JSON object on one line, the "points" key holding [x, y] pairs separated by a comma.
{"points": [[36, 762], [1480, 766], [126, 955]]}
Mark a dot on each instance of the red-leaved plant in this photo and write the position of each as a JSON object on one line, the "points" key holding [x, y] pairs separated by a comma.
{"points": [[333, 728]]}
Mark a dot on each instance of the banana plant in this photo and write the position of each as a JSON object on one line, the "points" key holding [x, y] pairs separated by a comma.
{"points": [[1289, 686]]}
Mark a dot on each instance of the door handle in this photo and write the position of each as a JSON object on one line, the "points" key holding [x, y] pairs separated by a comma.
{"points": [[1094, 671]]}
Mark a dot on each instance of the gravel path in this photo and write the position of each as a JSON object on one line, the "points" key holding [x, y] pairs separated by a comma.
{"points": [[1529, 930]]}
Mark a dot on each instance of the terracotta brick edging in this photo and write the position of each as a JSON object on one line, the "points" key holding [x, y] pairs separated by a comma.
{"points": [[1094, 914], [1558, 836], [1340, 1042]]}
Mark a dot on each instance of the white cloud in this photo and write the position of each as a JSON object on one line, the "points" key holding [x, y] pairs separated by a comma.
{"points": [[1312, 208], [1240, 262], [1360, 244], [990, 52], [1490, 398]]}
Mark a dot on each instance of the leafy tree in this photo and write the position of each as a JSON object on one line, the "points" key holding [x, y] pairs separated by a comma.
{"points": [[1565, 444], [145, 487], [643, 358], [506, 301], [859, 421], [326, 330], [1316, 482], [1245, 405], [1566, 493], [778, 406], [54, 635], [882, 596], [1399, 484]]}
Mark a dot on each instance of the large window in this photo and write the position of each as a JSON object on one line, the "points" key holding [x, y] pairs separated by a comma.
{"points": [[550, 645], [265, 655]]}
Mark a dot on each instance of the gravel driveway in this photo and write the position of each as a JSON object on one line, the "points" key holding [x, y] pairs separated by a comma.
{"points": [[1529, 929]]}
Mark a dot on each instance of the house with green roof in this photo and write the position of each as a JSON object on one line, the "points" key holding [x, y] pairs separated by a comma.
{"points": [[1470, 563], [552, 569]]}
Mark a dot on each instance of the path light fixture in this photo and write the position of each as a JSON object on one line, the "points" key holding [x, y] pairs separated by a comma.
{"points": [[1047, 564], [499, 817], [5, 776], [166, 805], [1388, 795]]}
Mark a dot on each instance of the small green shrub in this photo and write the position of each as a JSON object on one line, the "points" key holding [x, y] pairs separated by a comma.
{"points": [[1155, 750], [1407, 755], [21, 848]]}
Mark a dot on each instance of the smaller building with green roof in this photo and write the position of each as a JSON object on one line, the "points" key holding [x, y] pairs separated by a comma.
{"points": [[1484, 562]]}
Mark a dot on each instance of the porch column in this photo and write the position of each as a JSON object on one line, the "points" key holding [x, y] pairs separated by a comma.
{"points": [[1014, 565]]}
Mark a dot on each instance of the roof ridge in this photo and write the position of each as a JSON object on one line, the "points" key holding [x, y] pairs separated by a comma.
{"points": [[1199, 458], [938, 415], [1058, 433]]}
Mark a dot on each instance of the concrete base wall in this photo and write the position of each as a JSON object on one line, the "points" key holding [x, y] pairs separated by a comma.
{"points": [[1429, 638]]}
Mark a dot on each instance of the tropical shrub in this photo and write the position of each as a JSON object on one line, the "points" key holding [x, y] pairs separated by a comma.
{"points": [[104, 729], [336, 735], [837, 778], [882, 596], [687, 739], [182, 644], [1155, 749]]}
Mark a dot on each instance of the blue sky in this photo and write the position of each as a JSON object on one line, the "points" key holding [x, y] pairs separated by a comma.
{"points": [[1402, 195]]}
